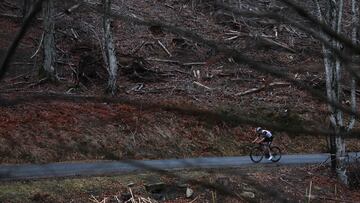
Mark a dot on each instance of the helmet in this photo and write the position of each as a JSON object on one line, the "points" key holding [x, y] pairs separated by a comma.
{"points": [[258, 129]]}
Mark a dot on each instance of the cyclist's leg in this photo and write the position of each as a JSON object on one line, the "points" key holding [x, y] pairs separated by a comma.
{"points": [[265, 148], [268, 148], [269, 145], [269, 141]]}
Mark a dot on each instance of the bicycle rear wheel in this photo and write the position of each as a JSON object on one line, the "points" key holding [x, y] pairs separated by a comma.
{"points": [[276, 153], [256, 154]]}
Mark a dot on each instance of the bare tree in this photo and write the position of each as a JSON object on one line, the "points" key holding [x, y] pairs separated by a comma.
{"points": [[333, 72], [354, 39], [48, 69], [109, 48]]}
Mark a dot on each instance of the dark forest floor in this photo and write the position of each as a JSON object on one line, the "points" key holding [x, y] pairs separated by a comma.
{"points": [[38, 131]]}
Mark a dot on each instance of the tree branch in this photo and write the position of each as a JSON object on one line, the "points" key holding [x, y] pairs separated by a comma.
{"points": [[20, 34]]}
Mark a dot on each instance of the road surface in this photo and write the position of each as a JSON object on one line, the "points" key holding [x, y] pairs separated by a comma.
{"points": [[72, 169]]}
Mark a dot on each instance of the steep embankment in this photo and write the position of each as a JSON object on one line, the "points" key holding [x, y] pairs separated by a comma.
{"points": [[184, 73]]}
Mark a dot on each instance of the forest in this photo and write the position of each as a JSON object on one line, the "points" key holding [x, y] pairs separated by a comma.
{"points": [[114, 81]]}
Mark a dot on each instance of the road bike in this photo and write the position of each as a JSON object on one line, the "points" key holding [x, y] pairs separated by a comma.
{"points": [[257, 153]]}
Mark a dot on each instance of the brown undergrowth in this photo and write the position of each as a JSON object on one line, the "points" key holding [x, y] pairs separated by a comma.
{"points": [[263, 183]]}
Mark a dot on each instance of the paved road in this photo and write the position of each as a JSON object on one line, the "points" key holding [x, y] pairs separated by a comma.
{"points": [[71, 169]]}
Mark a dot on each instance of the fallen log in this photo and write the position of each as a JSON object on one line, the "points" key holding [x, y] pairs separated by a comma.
{"points": [[254, 90]]}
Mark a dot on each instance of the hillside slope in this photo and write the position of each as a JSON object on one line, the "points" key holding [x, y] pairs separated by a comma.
{"points": [[190, 75]]}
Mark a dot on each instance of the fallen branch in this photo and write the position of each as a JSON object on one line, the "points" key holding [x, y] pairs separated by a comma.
{"points": [[333, 199], [93, 199], [236, 79], [165, 49], [40, 44], [13, 90], [22, 63], [194, 63], [201, 85], [236, 34], [17, 84], [10, 15], [135, 50], [136, 88], [65, 63], [232, 34], [183, 72], [9, 4], [167, 5], [282, 45], [176, 62], [132, 196], [254, 90], [36, 83], [117, 199], [62, 51], [292, 185], [76, 36], [194, 199], [163, 60], [19, 76], [72, 35], [348, 89], [72, 8], [232, 38]]}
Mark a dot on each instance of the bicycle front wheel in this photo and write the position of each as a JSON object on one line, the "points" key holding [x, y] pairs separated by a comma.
{"points": [[276, 153], [256, 154]]}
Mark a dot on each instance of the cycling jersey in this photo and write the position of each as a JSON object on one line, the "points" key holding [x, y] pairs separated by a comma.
{"points": [[267, 135]]}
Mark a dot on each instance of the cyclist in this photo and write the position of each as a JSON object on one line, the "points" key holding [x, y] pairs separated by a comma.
{"points": [[265, 139]]}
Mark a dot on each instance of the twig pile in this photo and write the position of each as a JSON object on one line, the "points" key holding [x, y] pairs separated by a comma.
{"points": [[133, 199]]}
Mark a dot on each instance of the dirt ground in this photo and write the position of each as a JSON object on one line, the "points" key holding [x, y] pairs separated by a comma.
{"points": [[261, 183]]}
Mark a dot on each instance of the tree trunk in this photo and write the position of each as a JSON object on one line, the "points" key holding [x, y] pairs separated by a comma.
{"points": [[340, 157], [333, 72], [354, 39], [332, 149], [109, 49], [48, 69], [27, 4], [335, 18]]}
